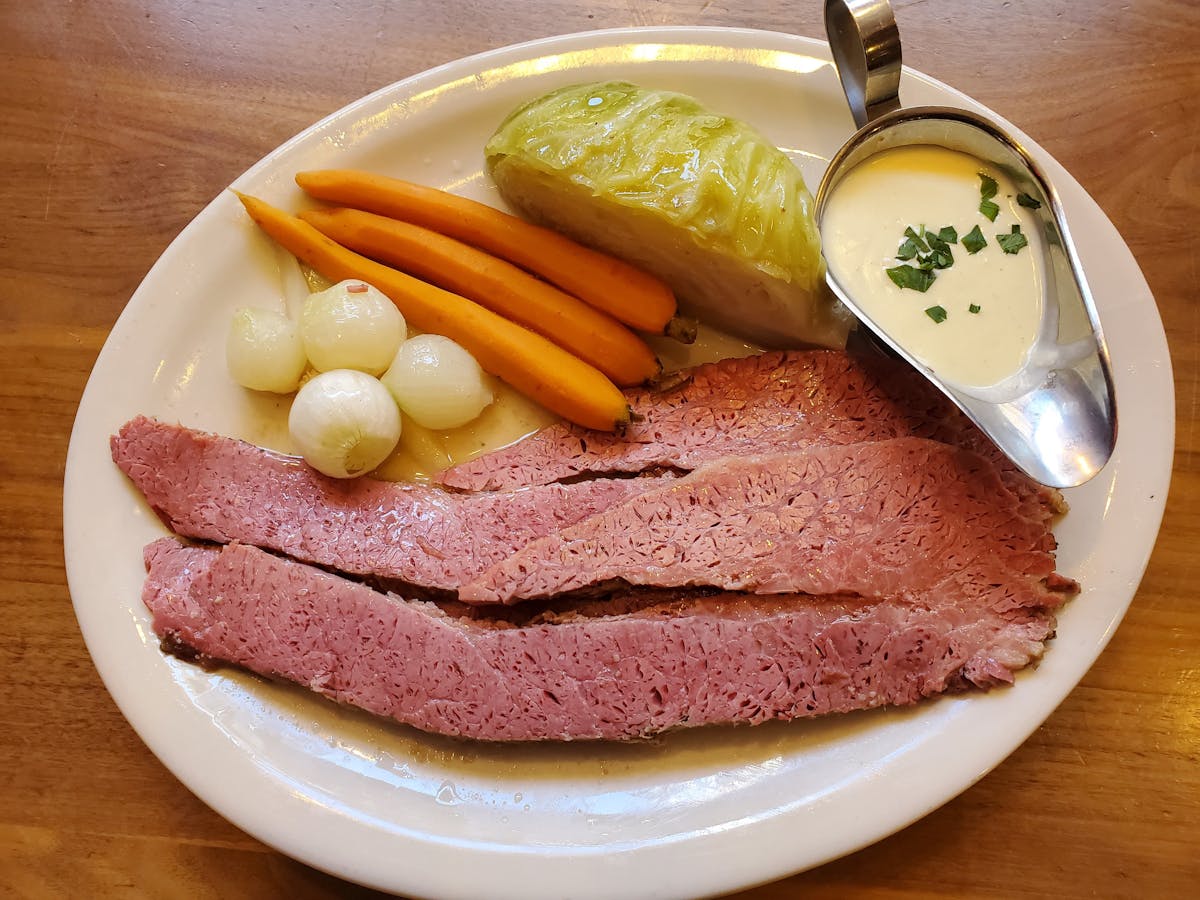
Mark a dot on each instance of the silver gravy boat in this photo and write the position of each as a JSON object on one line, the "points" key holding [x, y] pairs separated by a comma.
{"points": [[1056, 417]]}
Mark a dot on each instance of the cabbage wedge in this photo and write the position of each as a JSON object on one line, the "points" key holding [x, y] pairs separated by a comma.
{"points": [[701, 200]]}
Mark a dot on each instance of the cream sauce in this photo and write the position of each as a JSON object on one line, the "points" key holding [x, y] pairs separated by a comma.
{"points": [[863, 226]]}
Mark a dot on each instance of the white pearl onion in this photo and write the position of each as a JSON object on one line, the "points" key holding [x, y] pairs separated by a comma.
{"points": [[351, 326], [263, 351], [437, 383], [344, 423]]}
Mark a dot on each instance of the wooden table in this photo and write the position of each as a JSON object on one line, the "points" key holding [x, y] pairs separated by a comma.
{"points": [[122, 119]]}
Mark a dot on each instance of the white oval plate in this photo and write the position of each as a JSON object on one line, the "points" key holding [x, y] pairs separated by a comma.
{"points": [[690, 813]]}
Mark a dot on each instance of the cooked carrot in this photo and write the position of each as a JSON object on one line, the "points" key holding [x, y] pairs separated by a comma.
{"points": [[563, 383], [593, 336], [627, 293]]}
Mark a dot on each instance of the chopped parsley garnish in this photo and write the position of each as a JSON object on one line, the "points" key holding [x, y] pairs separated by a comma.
{"points": [[1011, 243], [941, 259], [930, 250], [918, 240], [923, 252], [912, 278], [974, 241], [939, 256], [987, 190]]}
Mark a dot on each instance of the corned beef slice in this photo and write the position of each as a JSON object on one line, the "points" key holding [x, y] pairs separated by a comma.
{"points": [[733, 407], [680, 661], [902, 518], [219, 489], [738, 407]]}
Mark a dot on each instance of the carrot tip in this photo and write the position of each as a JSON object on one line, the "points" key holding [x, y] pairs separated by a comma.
{"points": [[248, 202]]}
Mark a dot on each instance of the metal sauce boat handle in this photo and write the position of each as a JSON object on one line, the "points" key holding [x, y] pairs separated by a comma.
{"points": [[866, 50]]}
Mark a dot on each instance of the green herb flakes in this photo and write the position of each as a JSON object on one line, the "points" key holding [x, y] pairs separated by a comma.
{"points": [[941, 259], [917, 239], [924, 252], [974, 241], [937, 313], [987, 190], [912, 278], [939, 252], [1013, 242], [929, 250]]}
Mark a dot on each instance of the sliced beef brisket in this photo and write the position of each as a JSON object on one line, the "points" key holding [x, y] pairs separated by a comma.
{"points": [[219, 489], [902, 518], [775, 402], [674, 661]]}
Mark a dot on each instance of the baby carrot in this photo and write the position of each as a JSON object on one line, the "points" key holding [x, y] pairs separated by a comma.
{"points": [[627, 293], [593, 336], [563, 383]]}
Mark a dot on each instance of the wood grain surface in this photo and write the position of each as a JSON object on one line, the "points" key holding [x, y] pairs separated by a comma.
{"points": [[122, 119]]}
